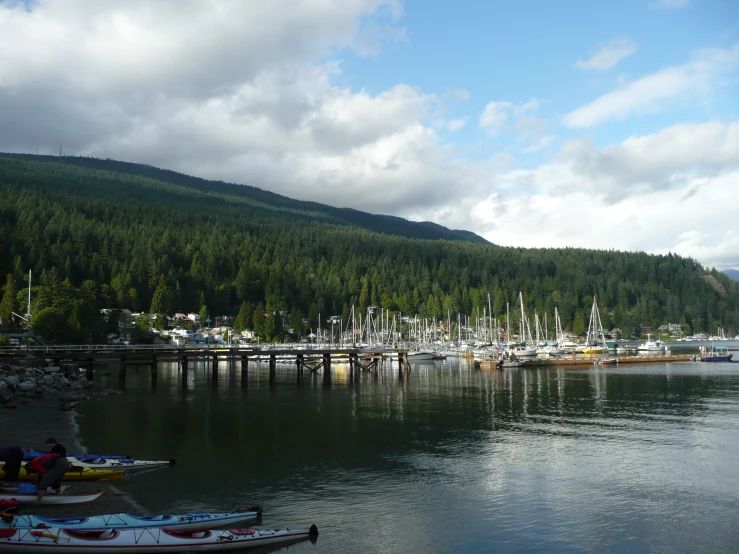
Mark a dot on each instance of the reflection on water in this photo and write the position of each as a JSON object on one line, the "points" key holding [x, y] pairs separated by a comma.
{"points": [[449, 459]]}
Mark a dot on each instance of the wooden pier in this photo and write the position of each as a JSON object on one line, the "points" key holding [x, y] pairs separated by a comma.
{"points": [[86, 356], [589, 361]]}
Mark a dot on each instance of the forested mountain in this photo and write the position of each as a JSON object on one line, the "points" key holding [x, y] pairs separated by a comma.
{"points": [[100, 233], [733, 273]]}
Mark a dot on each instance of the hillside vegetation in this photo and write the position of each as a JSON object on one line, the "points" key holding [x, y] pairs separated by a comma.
{"points": [[100, 233]]}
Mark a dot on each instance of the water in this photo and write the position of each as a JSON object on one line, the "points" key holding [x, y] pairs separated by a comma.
{"points": [[638, 458]]}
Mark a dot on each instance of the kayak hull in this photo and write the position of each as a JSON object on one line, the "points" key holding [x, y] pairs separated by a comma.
{"points": [[145, 540], [128, 466], [182, 522], [81, 474], [51, 499]]}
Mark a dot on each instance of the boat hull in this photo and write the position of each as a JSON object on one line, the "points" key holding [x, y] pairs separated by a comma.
{"points": [[145, 540], [182, 522], [128, 466], [51, 499]]}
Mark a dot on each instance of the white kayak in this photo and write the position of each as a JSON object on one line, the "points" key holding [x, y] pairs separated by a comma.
{"points": [[183, 522], [145, 540], [50, 498], [126, 465]]}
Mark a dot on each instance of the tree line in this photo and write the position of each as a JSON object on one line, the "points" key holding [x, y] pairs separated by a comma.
{"points": [[98, 238]]}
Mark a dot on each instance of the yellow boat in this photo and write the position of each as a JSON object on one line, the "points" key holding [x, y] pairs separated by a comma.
{"points": [[79, 474], [593, 350]]}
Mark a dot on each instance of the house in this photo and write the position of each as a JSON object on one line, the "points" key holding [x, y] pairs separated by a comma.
{"points": [[195, 318]]}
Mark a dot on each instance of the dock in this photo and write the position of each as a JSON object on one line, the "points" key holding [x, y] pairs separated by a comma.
{"points": [[590, 361], [86, 356]]}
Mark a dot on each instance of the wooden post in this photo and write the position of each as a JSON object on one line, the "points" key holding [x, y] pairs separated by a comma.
{"points": [[184, 372], [154, 372], [272, 369], [214, 370], [244, 372], [90, 362], [300, 367], [327, 370], [122, 374]]}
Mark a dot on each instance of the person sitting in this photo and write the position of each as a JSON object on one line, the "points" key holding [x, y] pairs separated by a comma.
{"points": [[13, 458], [55, 447], [50, 469]]}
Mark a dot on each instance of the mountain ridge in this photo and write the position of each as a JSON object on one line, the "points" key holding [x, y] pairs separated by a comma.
{"points": [[382, 223]]}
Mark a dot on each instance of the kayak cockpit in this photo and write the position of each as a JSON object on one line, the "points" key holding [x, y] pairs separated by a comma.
{"points": [[100, 535]]}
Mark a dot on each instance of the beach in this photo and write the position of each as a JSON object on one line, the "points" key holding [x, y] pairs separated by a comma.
{"points": [[28, 426]]}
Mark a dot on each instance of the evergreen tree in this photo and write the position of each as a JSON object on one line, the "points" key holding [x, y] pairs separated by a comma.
{"points": [[9, 302]]}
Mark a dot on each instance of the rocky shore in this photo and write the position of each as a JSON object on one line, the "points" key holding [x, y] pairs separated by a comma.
{"points": [[37, 403]]}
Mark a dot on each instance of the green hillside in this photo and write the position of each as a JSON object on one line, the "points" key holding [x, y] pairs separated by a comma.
{"points": [[100, 233]]}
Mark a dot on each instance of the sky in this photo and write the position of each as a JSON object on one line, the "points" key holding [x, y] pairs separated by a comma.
{"points": [[584, 123]]}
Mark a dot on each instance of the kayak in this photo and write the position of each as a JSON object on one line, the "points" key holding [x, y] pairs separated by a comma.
{"points": [[50, 498], [126, 465], [183, 522], [145, 540], [30, 454], [74, 473], [107, 462]]}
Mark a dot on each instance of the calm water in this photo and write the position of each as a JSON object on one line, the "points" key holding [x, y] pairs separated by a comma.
{"points": [[634, 458]]}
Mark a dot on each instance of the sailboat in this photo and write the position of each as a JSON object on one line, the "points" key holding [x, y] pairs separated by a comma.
{"points": [[592, 346], [555, 349], [524, 347]]}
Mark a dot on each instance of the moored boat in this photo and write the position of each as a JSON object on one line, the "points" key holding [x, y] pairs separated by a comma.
{"points": [[182, 522], [145, 540], [715, 354], [51, 498]]}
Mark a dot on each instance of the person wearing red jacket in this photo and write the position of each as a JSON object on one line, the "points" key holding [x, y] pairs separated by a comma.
{"points": [[51, 469]]}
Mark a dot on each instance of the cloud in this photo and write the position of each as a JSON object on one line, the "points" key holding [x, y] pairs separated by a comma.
{"points": [[495, 116], [657, 91], [672, 4], [457, 124], [608, 55], [659, 193], [519, 119], [231, 91]]}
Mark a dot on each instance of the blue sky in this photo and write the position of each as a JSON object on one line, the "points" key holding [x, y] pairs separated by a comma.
{"points": [[598, 124], [518, 51]]}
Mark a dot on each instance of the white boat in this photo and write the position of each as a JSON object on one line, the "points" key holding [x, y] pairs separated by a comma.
{"points": [[183, 522], [114, 541], [50, 498], [127, 465], [7, 489], [421, 355], [651, 345]]}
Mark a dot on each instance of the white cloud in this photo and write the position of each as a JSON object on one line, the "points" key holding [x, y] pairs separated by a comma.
{"points": [[657, 91], [457, 124], [608, 55], [664, 192], [520, 119], [672, 4], [495, 116]]}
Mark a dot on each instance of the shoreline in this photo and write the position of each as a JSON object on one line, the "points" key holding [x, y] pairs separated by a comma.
{"points": [[28, 426]]}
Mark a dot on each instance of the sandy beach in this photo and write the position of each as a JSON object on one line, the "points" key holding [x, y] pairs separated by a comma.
{"points": [[29, 426]]}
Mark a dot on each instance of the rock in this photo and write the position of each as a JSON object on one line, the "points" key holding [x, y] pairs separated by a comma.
{"points": [[71, 398], [66, 407], [11, 405], [48, 379], [3, 385], [51, 369], [27, 385], [64, 381], [11, 380], [112, 391]]}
